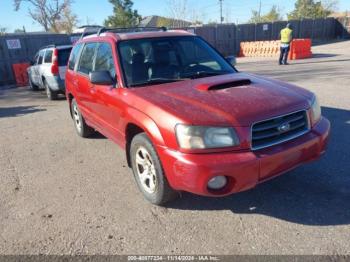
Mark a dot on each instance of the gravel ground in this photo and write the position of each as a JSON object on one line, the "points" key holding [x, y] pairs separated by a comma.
{"points": [[60, 194]]}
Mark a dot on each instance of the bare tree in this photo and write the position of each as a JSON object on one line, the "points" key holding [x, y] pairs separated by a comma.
{"points": [[89, 21], [67, 22], [3, 30], [196, 17], [331, 5], [46, 12], [178, 11]]}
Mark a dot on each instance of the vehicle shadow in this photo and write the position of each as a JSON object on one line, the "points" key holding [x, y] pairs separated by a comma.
{"points": [[323, 55], [61, 97], [319, 62], [313, 194], [97, 135], [19, 111]]}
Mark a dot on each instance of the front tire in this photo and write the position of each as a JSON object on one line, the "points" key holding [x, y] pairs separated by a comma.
{"points": [[148, 171], [32, 86], [81, 127]]}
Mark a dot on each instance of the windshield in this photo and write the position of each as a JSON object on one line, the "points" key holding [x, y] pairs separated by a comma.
{"points": [[162, 60]]}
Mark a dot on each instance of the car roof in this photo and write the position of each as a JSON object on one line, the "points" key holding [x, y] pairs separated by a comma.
{"points": [[63, 47], [135, 35], [59, 47]]}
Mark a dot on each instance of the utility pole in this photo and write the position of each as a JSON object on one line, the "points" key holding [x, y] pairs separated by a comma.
{"points": [[221, 17], [259, 11]]}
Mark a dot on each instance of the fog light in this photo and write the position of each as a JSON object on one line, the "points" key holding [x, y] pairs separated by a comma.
{"points": [[217, 182]]}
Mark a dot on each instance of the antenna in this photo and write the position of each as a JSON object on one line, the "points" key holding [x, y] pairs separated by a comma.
{"points": [[221, 17]]}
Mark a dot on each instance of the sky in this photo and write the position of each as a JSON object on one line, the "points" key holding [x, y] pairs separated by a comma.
{"points": [[95, 11]]}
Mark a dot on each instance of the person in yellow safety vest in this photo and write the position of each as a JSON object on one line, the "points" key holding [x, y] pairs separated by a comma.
{"points": [[286, 39]]}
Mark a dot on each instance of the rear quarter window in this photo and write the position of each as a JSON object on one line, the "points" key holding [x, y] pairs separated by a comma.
{"points": [[48, 56], [41, 57], [63, 56]]}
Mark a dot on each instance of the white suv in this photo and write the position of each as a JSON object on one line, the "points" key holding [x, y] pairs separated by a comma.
{"points": [[48, 69]]}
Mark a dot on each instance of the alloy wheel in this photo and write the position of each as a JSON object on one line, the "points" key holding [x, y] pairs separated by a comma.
{"points": [[76, 116], [146, 170]]}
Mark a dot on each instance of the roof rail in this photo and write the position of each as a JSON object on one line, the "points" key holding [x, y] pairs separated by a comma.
{"points": [[130, 29], [89, 26], [48, 46], [87, 30]]}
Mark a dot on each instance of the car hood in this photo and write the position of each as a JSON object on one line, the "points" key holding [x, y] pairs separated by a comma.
{"points": [[236, 99]]}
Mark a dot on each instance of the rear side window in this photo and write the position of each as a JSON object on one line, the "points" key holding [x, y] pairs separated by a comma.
{"points": [[74, 56], [63, 55], [104, 59], [87, 57], [48, 56], [41, 57]]}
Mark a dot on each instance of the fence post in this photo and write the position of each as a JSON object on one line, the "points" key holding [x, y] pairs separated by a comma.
{"points": [[271, 35], [255, 33], [216, 36], [235, 37]]}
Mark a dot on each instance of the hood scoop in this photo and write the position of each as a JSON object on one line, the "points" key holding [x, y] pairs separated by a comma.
{"points": [[225, 85]]}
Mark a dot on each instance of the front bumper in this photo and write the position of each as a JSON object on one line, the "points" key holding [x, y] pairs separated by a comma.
{"points": [[244, 170]]}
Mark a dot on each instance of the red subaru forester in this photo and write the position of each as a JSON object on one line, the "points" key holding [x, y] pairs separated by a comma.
{"points": [[188, 120]]}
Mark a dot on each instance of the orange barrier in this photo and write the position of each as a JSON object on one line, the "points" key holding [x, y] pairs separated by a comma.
{"points": [[299, 48], [20, 72]]}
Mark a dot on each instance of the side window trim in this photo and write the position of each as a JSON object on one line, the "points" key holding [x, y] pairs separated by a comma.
{"points": [[95, 55], [37, 62], [36, 57], [77, 61]]}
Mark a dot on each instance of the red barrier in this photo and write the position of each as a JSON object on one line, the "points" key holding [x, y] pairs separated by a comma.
{"points": [[20, 72], [300, 49]]}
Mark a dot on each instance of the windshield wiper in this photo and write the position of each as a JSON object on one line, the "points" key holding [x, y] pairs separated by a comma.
{"points": [[200, 74], [155, 81]]}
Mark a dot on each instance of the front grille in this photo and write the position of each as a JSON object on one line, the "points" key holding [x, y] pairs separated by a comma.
{"points": [[279, 129]]}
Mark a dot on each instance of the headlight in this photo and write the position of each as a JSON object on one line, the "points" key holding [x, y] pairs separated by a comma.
{"points": [[315, 111], [201, 137]]}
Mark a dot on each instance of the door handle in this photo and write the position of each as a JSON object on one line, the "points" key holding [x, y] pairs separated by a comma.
{"points": [[92, 89]]}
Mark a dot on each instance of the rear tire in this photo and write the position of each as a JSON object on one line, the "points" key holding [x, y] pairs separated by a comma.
{"points": [[80, 125], [51, 95], [148, 171]]}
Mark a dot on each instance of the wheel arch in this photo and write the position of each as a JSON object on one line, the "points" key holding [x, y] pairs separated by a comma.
{"points": [[139, 123], [70, 98], [131, 131]]}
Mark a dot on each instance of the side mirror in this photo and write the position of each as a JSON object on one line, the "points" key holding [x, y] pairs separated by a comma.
{"points": [[101, 78], [31, 62], [231, 59]]}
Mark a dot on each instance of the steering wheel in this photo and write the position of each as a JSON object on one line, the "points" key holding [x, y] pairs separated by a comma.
{"points": [[193, 68]]}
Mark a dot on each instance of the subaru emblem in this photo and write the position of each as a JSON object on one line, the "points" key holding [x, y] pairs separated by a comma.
{"points": [[284, 127]]}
